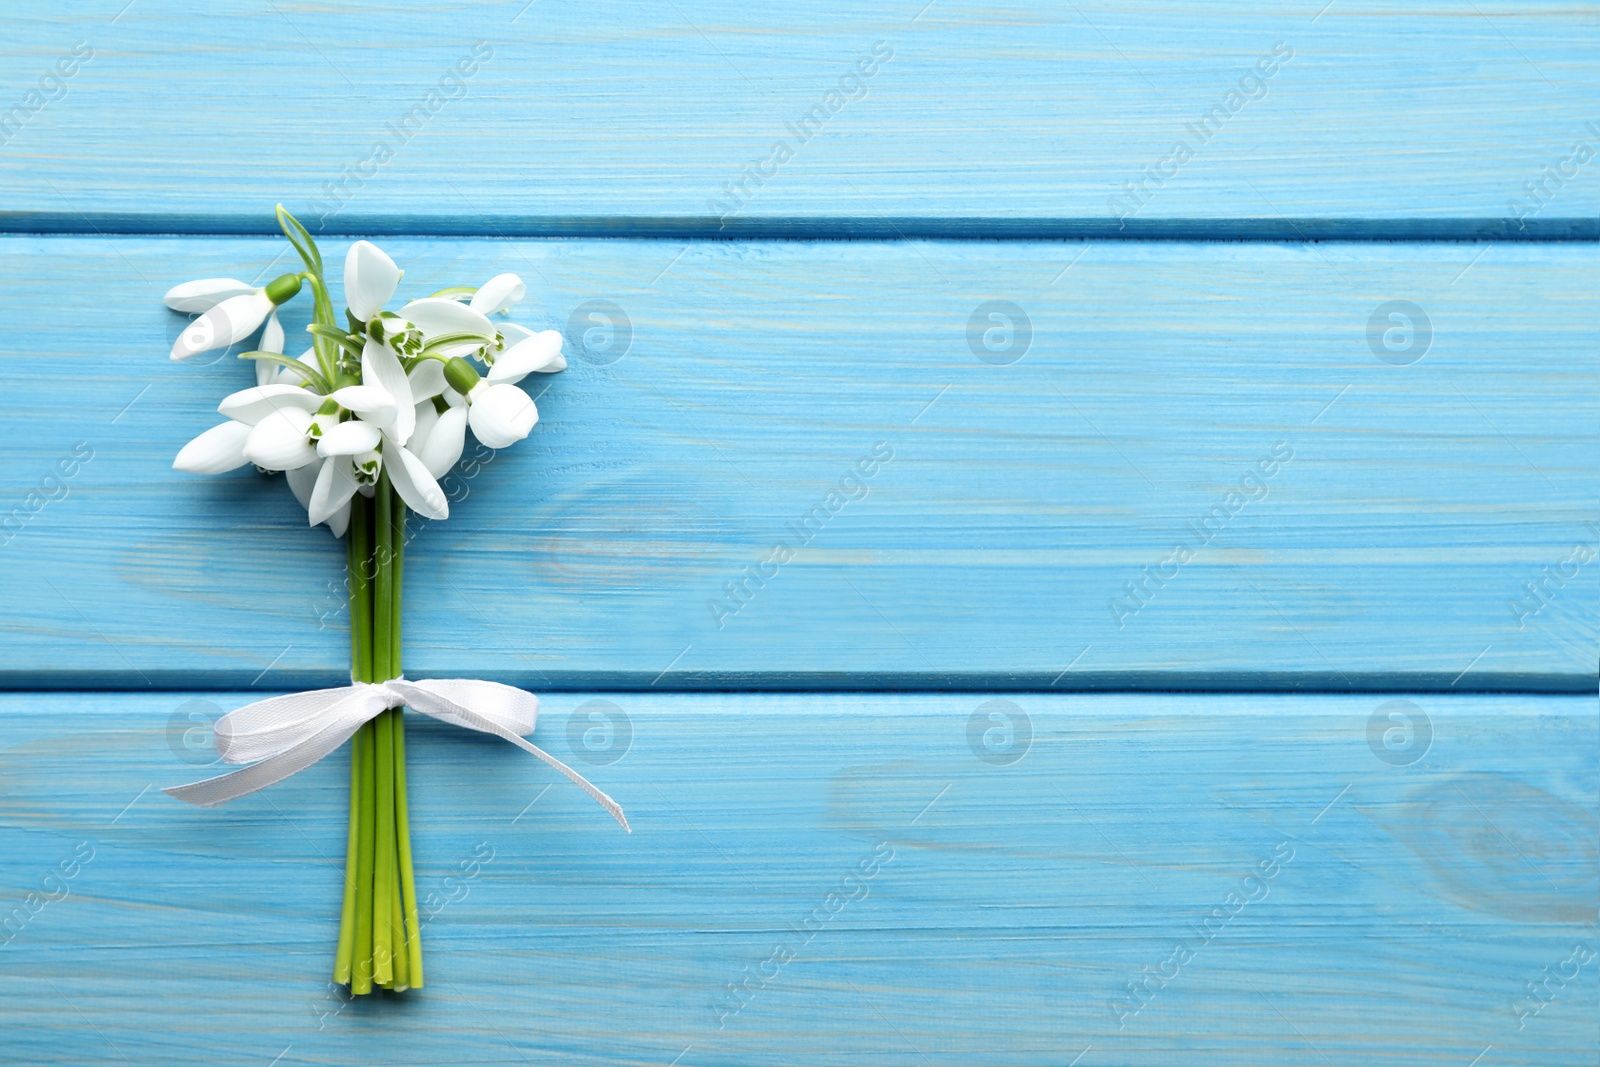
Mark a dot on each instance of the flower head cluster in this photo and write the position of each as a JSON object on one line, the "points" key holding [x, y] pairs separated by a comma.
{"points": [[391, 395]]}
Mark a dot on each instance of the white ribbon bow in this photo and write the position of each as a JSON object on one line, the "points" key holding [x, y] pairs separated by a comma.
{"points": [[282, 736]]}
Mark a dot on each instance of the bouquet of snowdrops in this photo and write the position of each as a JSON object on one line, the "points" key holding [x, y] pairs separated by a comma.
{"points": [[363, 426]]}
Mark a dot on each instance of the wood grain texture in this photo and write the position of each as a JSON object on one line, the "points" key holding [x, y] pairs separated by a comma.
{"points": [[1013, 902], [1020, 501], [1397, 118]]}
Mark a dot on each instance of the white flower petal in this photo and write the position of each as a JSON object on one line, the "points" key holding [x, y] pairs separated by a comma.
{"points": [[427, 379], [271, 335], [500, 414], [412, 480], [441, 449], [230, 321], [349, 439], [370, 278], [539, 353], [336, 484], [271, 341], [371, 402], [427, 418], [340, 521], [381, 367], [302, 480], [218, 450], [437, 316], [499, 293], [278, 442], [197, 297], [252, 405], [513, 332]]}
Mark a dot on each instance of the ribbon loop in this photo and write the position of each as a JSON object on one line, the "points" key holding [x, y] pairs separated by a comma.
{"points": [[282, 736]]}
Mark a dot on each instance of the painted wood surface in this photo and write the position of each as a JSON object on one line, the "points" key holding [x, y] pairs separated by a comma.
{"points": [[1398, 118], [1345, 900], [1405, 512]]}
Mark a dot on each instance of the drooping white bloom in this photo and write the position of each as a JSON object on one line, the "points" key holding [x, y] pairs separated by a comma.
{"points": [[226, 323], [231, 320], [526, 353], [226, 447], [370, 279], [437, 317], [500, 414]]}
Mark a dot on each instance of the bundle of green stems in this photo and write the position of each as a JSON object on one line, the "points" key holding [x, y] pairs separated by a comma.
{"points": [[380, 942]]}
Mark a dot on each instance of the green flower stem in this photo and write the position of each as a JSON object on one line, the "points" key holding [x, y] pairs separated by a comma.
{"points": [[384, 873], [355, 558], [410, 943], [363, 963], [408, 878]]}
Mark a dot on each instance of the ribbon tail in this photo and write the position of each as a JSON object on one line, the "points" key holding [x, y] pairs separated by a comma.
{"points": [[612, 807], [210, 792], [492, 708]]}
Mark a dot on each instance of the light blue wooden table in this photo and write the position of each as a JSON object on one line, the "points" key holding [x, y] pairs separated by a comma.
{"points": [[982, 775]]}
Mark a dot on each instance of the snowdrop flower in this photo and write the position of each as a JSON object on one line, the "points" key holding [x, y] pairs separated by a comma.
{"points": [[438, 317], [499, 414], [385, 401], [280, 408], [228, 320], [517, 351], [525, 353]]}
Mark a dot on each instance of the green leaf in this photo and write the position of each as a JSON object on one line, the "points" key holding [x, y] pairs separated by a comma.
{"points": [[301, 239], [323, 330], [348, 342], [310, 374]]}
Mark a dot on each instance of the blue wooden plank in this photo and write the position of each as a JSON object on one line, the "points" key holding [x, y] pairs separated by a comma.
{"points": [[1343, 900], [1021, 536], [1076, 118]]}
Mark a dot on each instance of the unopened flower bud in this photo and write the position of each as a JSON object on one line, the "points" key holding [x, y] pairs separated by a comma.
{"points": [[460, 375], [283, 288]]}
